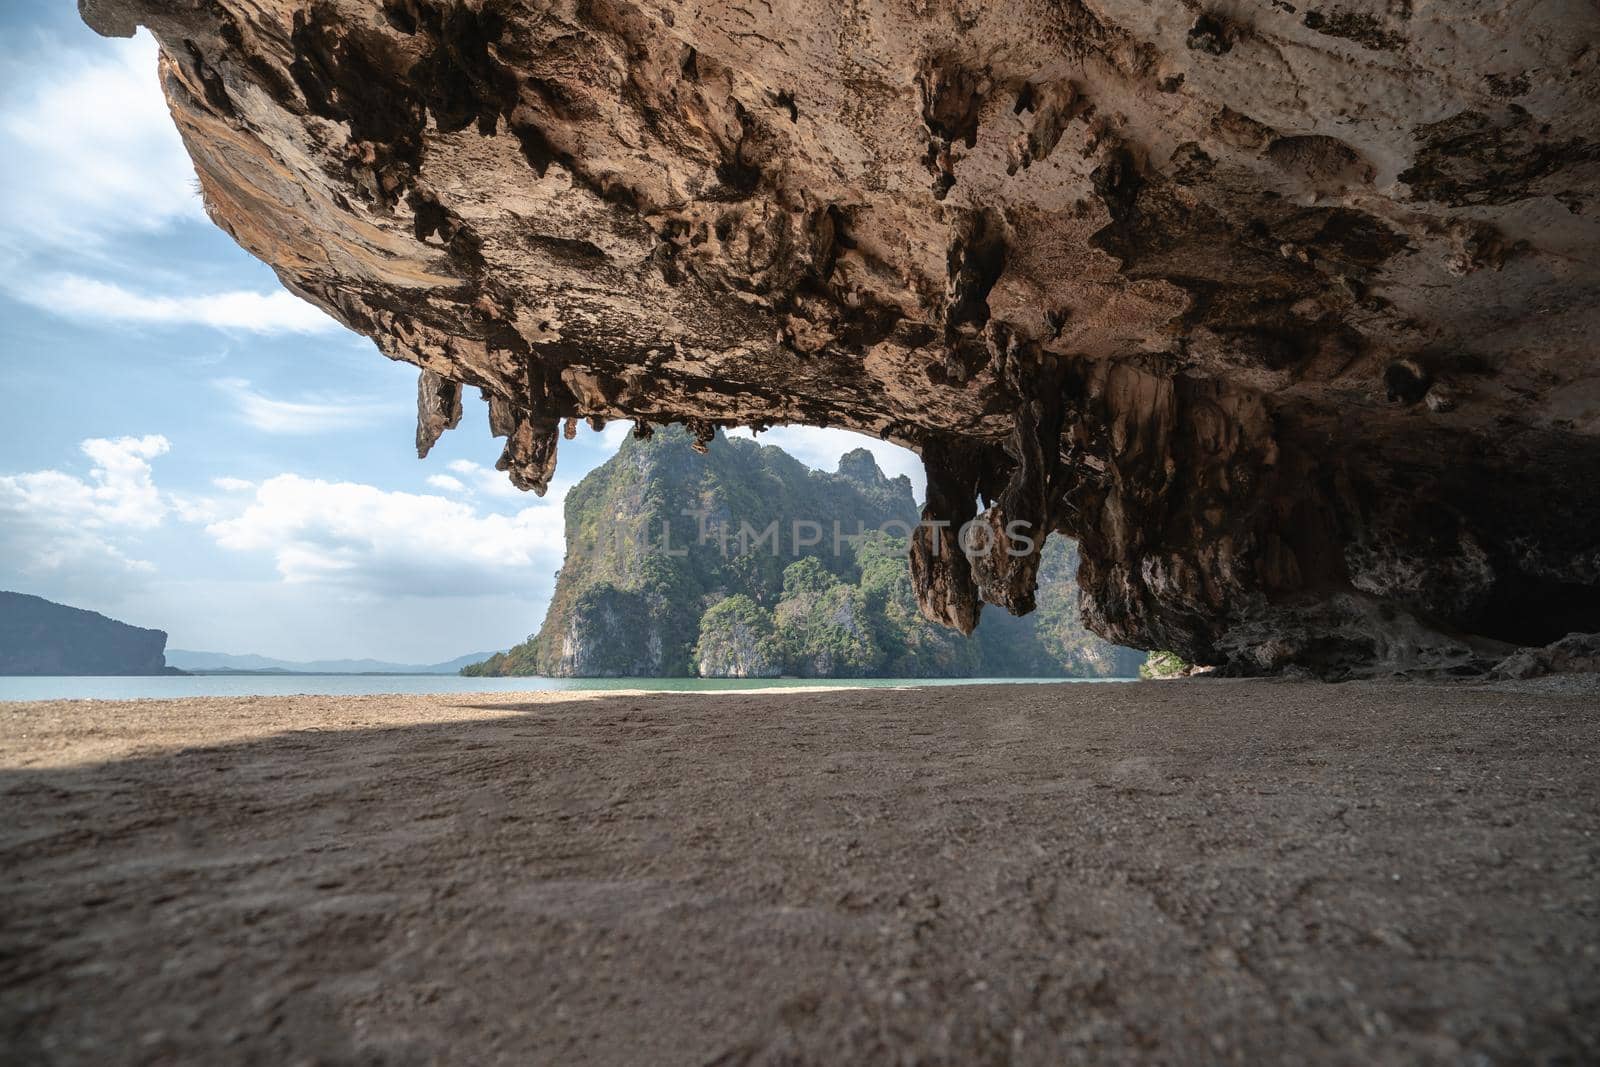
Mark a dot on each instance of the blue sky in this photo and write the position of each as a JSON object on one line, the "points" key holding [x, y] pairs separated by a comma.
{"points": [[189, 446]]}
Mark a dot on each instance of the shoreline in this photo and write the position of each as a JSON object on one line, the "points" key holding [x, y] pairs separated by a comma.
{"points": [[35, 688]]}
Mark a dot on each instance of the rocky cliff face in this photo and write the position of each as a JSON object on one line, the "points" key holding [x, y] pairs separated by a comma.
{"points": [[1287, 313], [661, 532], [729, 564], [737, 640], [40, 637]]}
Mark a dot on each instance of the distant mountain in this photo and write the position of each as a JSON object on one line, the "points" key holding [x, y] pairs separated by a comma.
{"points": [[624, 606], [38, 636], [223, 661]]}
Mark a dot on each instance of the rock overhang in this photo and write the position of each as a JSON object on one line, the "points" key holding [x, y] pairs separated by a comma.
{"points": [[1290, 320]]}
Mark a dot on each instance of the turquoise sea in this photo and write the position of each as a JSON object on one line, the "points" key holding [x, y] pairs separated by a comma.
{"points": [[168, 687]]}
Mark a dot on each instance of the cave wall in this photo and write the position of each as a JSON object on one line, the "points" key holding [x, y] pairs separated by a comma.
{"points": [[1287, 314]]}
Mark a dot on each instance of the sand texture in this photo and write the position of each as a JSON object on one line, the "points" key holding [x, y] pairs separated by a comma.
{"points": [[1184, 872]]}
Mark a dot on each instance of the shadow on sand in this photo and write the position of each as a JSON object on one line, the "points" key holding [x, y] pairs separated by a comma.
{"points": [[1253, 872]]}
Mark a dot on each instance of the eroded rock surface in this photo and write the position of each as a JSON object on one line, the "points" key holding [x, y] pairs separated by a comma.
{"points": [[1287, 314]]}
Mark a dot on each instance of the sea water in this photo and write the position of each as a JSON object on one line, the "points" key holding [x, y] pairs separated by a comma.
{"points": [[170, 687]]}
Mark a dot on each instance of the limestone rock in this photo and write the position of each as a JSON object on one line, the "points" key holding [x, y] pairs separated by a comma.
{"points": [[738, 643], [1573, 654], [1288, 315], [438, 409], [38, 636]]}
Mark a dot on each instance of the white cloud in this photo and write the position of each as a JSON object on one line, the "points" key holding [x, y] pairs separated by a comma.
{"points": [[192, 509], [58, 525], [67, 535], [90, 160], [90, 149], [476, 478], [76, 297], [118, 492], [821, 449], [304, 416], [383, 543], [615, 433], [447, 483]]}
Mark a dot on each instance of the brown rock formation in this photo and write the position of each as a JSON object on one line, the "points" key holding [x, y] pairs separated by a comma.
{"points": [[1289, 316]]}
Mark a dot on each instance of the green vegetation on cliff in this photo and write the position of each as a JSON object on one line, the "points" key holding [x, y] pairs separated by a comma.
{"points": [[743, 562], [737, 640], [1160, 665]]}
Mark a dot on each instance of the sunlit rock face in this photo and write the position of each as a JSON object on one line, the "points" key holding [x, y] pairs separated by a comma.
{"points": [[1287, 313]]}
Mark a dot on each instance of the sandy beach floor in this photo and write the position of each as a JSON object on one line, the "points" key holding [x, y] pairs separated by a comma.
{"points": [[1206, 871]]}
